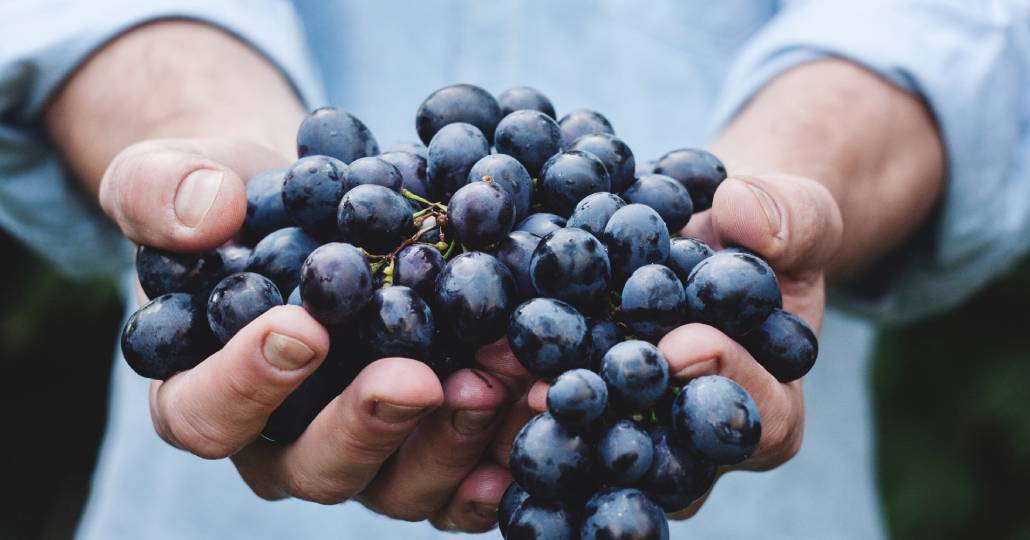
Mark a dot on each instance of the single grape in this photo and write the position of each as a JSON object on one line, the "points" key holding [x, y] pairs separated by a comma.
{"points": [[635, 236], [549, 337], [624, 452], [540, 224], [670, 199], [636, 373], [334, 132], [524, 97], [571, 265], [626, 514], [614, 153], [417, 266], [568, 177], [677, 477], [475, 294], [430, 231], [397, 322], [374, 171], [784, 344], [542, 520], [162, 272], [684, 254], [652, 302], [593, 212], [699, 171], [512, 499], [732, 291], [265, 210], [413, 172], [235, 257], [280, 255], [716, 417], [452, 153], [457, 103], [531, 137], [375, 218], [450, 354], [604, 334], [508, 173], [167, 335], [335, 283], [412, 147], [583, 122], [239, 299], [516, 251], [481, 214], [311, 192], [550, 461], [577, 398]]}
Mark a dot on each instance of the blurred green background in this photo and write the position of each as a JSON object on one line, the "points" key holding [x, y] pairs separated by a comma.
{"points": [[952, 407]]}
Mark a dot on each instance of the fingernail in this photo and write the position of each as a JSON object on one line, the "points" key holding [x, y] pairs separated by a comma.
{"points": [[395, 414], [485, 510], [196, 195], [705, 367], [772, 212], [285, 352], [472, 422]]}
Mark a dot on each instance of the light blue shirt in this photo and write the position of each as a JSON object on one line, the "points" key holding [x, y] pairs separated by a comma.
{"points": [[667, 74]]}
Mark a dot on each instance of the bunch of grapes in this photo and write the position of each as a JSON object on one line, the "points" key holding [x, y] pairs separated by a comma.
{"points": [[507, 224]]}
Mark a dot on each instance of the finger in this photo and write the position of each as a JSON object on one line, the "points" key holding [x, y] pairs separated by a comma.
{"points": [[347, 443], [184, 195], [537, 396], [473, 509], [694, 350], [219, 406], [700, 227], [442, 451], [498, 359], [518, 414]]}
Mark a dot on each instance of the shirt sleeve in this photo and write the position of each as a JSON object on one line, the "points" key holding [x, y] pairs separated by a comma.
{"points": [[44, 42], [970, 61]]}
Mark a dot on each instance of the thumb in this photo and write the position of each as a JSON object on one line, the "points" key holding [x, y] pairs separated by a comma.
{"points": [[793, 222], [182, 194]]}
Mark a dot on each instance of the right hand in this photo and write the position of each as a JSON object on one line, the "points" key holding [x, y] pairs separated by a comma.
{"points": [[188, 195]]}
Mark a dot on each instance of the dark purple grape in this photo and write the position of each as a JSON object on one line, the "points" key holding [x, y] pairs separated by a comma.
{"points": [[593, 212], [162, 272], [524, 97], [429, 231], [481, 214], [550, 461], [311, 193], [449, 354], [334, 132], [614, 153], [265, 210], [397, 322], [626, 514], [512, 499], [577, 398], [531, 137], [417, 266], [542, 520], [540, 224], [375, 218], [677, 477], [604, 334], [475, 294], [508, 173], [635, 236], [784, 344], [239, 299], [167, 335], [335, 283], [413, 172], [716, 417], [411, 147], [699, 171], [732, 291], [571, 265], [463, 103], [235, 257], [280, 255], [670, 199], [652, 302], [567, 178], [549, 337], [516, 251], [452, 153], [372, 171], [684, 254], [636, 373], [624, 452], [583, 122]]}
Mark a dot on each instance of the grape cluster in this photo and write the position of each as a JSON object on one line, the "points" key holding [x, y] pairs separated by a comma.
{"points": [[506, 223]]}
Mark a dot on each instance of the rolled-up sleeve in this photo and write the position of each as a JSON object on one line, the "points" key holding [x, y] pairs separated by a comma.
{"points": [[43, 43], [970, 61]]}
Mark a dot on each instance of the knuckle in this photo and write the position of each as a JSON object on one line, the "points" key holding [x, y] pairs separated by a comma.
{"points": [[199, 436], [309, 488]]}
